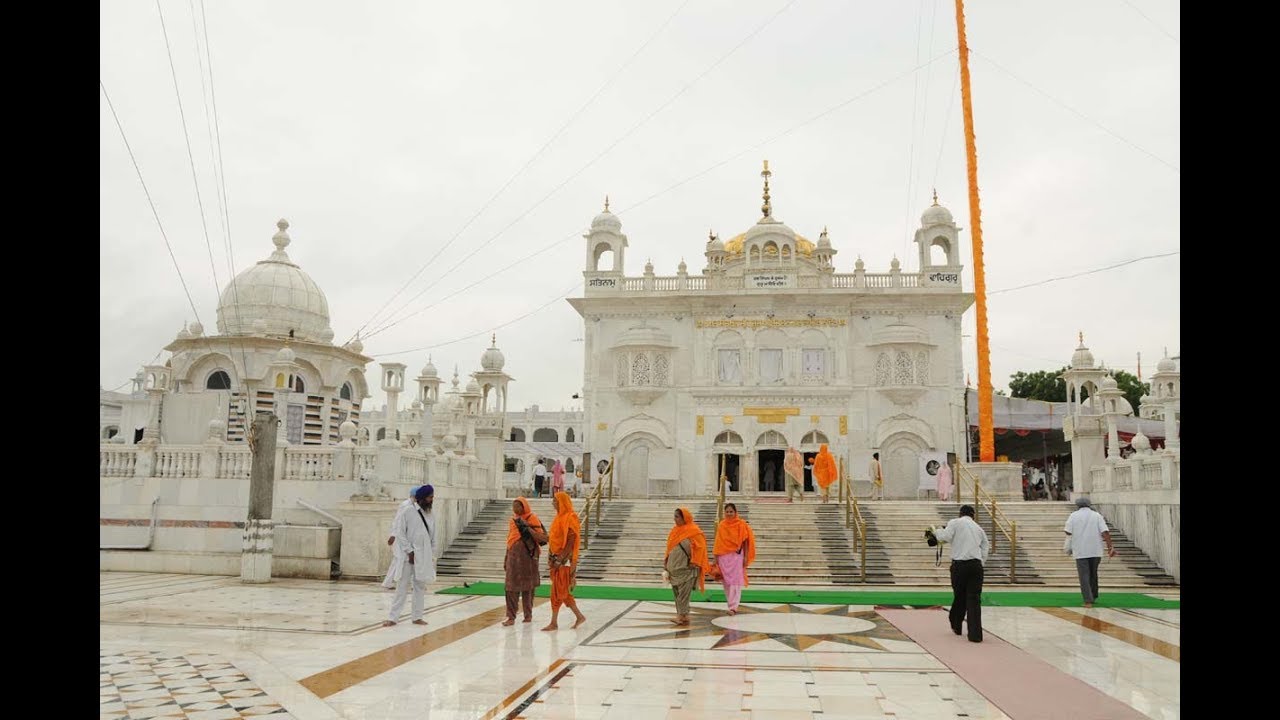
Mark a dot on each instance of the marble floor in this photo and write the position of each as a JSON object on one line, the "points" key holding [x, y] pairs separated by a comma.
{"points": [[185, 646]]}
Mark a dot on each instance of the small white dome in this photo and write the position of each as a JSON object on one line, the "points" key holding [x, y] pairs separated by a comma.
{"points": [[429, 370], [1082, 358], [183, 334], [935, 215], [859, 265], [606, 220], [347, 430], [493, 360], [285, 355], [896, 264], [1109, 383], [473, 387], [274, 297], [714, 243], [824, 242], [1166, 364], [682, 268], [196, 329], [355, 345], [1141, 442]]}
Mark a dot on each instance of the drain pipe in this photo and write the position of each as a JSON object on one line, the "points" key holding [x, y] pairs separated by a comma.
{"points": [[151, 532], [318, 511]]}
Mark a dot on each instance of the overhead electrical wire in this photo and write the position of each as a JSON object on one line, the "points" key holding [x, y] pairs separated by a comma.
{"points": [[1085, 272], [711, 168], [150, 202], [602, 154], [574, 116]]}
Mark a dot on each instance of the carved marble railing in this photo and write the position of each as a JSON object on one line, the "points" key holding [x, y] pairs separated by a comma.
{"points": [[845, 281], [234, 462], [413, 469], [177, 462], [1149, 472], [308, 464], [366, 461], [117, 461]]}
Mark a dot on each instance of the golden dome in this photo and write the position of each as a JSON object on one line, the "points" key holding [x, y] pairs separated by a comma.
{"points": [[803, 246]]}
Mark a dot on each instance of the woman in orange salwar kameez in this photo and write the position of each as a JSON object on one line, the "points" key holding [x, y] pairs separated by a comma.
{"points": [[824, 471], [562, 560]]}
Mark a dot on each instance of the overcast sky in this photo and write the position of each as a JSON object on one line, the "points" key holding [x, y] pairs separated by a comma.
{"points": [[379, 130]]}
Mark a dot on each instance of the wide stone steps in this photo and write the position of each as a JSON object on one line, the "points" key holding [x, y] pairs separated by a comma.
{"points": [[806, 543]]}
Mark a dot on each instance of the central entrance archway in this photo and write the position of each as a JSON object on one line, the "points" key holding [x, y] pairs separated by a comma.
{"points": [[771, 449]]}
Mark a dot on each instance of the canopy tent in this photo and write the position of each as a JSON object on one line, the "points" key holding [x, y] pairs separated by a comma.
{"points": [[1032, 429], [551, 450], [1020, 416]]}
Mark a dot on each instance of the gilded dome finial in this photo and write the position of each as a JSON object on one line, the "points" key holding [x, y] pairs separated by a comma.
{"points": [[935, 197], [606, 203], [766, 208]]}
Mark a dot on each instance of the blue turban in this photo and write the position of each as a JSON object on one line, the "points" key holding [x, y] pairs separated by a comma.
{"points": [[413, 491], [424, 492]]}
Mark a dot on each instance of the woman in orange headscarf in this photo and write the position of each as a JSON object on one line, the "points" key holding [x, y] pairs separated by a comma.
{"points": [[562, 558], [525, 535], [686, 562], [824, 470], [734, 550]]}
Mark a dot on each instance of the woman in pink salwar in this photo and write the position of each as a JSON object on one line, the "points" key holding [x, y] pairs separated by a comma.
{"points": [[734, 551], [557, 478], [944, 481]]}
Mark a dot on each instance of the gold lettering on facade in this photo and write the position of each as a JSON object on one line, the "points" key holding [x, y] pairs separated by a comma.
{"points": [[757, 323], [762, 411], [727, 419], [602, 426], [699, 427], [844, 424]]}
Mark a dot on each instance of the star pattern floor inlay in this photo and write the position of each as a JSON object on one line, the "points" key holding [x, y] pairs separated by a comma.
{"points": [[149, 684]]}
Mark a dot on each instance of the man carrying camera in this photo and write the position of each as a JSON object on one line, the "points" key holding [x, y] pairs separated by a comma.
{"points": [[969, 550]]}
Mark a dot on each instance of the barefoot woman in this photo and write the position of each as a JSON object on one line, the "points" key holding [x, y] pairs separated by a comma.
{"points": [[562, 560], [734, 550], [524, 536], [686, 562]]}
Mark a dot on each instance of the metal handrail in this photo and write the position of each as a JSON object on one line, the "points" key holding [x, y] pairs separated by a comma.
{"points": [[853, 519], [723, 482], [596, 494], [1007, 526]]}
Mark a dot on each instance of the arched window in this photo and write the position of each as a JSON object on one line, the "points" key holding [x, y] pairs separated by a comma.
{"points": [[568, 435], [298, 385], [517, 435], [109, 432], [218, 380], [568, 465], [603, 256], [345, 392], [728, 437], [771, 438], [546, 435], [814, 437], [382, 434]]}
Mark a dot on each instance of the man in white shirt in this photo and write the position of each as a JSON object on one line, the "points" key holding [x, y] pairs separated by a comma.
{"points": [[1087, 531], [415, 534], [539, 478], [397, 554], [969, 550]]}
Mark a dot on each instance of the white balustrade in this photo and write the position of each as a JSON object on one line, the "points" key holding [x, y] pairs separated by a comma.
{"points": [[177, 463], [234, 462], [117, 461], [366, 461], [1098, 479], [300, 464]]}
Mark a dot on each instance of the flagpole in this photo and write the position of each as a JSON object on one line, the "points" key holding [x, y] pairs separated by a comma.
{"points": [[986, 433]]}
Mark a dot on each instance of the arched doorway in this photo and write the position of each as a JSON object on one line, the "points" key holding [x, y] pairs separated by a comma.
{"points": [[900, 460], [771, 449], [633, 464], [727, 451]]}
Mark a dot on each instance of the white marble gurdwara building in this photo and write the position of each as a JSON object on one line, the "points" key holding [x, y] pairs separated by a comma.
{"points": [[770, 347]]}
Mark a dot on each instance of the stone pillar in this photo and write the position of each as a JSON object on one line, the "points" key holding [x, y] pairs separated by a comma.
{"points": [[1171, 424], [152, 432], [209, 450], [258, 545], [344, 453], [364, 552], [386, 468], [1085, 433], [1113, 439]]}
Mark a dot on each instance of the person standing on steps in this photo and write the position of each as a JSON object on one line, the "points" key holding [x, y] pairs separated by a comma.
{"points": [[969, 550], [825, 471], [876, 475], [1087, 531], [539, 477], [793, 468]]}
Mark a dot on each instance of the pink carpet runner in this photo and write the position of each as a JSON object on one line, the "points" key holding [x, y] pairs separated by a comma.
{"points": [[1023, 686]]}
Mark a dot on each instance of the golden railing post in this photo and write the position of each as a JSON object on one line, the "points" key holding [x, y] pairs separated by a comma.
{"points": [[611, 474], [1013, 553], [722, 481], [586, 525]]}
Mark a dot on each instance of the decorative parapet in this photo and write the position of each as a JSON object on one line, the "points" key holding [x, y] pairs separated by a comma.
{"points": [[934, 279]]}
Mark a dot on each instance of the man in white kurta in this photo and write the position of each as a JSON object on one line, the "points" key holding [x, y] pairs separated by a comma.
{"points": [[415, 535], [397, 555]]}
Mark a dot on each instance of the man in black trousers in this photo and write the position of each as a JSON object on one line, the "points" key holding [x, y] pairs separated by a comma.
{"points": [[969, 550]]}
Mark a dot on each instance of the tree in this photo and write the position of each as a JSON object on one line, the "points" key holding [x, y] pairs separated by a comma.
{"points": [[1048, 385]]}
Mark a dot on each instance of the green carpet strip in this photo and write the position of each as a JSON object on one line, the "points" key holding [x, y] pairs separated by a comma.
{"points": [[997, 598]]}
